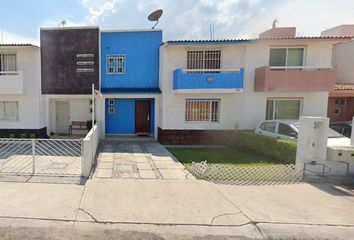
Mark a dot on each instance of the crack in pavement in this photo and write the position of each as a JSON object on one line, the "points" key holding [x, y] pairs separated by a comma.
{"points": [[93, 218], [223, 215]]}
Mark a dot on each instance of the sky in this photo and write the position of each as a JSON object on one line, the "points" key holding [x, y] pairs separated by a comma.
{"points": [[20, 20]]}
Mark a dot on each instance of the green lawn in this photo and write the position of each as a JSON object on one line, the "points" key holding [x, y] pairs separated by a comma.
{"points": [[224, 155]]}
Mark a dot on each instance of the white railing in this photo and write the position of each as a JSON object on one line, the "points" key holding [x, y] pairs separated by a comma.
{"points": [[308, 68], [90, 145], [230, 70]]}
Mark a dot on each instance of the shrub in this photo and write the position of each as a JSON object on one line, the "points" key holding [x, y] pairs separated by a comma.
{"points": [[12, 135], [24, 135], [32, 135], [282, 150]]}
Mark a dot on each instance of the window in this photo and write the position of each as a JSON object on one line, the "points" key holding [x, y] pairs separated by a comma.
{"points": [[111, 102], [111, 110], [337, 111], [8, 111], [341, 101], [280, 57], [269, 126], [286, 130], [8, 62], [202, 111], [283, 109], [115, 64], [210, 59]]}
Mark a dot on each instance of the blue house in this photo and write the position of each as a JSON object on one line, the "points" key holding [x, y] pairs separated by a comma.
{"points": [[130, 81]]}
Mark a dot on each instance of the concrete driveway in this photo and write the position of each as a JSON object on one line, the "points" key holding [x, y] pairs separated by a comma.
{"points": [[138, 160]]}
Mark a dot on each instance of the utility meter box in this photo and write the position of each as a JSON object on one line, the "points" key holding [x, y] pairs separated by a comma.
{"points": [[341, 153]]}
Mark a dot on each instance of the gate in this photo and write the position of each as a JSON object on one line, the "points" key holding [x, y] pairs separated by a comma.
{"points": [[59, 157]]}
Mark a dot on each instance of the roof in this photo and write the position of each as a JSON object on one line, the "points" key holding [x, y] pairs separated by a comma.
{"points": [[344, 87], [18, 45], [130, 90], [251, 40]]}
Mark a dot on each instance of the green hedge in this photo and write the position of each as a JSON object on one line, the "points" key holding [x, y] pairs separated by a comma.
{"points": [[282, 150]]}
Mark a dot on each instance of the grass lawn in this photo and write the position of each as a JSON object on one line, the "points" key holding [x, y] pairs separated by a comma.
{"points": [[220, 155]]}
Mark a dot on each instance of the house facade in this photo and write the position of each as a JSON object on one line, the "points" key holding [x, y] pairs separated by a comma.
{"points": [[21, 103], [69, 67], [212, 87], [130, 82], [341, 100]]}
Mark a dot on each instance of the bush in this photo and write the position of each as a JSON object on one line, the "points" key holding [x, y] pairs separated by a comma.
{"points": [[32, 135], [12, 135], [282, 150], [24, 135]]}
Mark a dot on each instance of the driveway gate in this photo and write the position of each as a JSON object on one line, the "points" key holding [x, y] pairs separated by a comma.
{"points": [[59, 157]]}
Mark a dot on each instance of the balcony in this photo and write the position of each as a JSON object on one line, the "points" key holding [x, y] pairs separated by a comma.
{"points": [[11, 82], [208, 80], [292, 79]]}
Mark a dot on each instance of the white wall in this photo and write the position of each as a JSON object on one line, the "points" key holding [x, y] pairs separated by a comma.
{"points": [[343, 57], [173, 104], [248, 108], [79, 109], [30, 103]]}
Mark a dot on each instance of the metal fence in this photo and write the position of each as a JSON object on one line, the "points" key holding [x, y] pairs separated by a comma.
{"points": [[58, 157], [233, 174]]}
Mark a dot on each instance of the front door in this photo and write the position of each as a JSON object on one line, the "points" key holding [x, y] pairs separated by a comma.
{"points": [[142, 117], [62, 116]]}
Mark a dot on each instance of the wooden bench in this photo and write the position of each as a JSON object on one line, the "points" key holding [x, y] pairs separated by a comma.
{"points": [[77, 125]]}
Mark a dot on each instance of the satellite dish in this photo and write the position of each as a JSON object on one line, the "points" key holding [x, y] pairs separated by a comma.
{"points": [[155, 16]]}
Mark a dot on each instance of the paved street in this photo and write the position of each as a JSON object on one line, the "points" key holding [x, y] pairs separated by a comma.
{"points": [[138, 160]]}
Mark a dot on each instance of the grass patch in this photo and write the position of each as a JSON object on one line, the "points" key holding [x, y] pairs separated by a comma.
{"points": [[220, 155]]}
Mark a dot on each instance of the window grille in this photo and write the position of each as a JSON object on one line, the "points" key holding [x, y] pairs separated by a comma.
{"points": [[202, 110], [208, 59], [115, 64]]}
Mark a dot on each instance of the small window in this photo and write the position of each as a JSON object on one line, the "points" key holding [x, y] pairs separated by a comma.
{"points": [[286, 130], [111, 110], [202, 110], [283, 109], [269, 126], [115, 64], [337, 111], [285, 57], [9, 111], [341, 101], [111, 102]]}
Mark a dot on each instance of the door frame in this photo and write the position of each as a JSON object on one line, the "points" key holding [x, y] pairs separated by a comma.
{"points": [[149, 120]]}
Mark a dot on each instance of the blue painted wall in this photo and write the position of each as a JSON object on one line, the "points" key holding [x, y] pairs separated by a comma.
{"points": [[123, 120], [142, 58], [185, 80]]}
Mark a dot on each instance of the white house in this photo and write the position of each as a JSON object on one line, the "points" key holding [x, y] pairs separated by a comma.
{"points": [[220, 85], [21, 103]]}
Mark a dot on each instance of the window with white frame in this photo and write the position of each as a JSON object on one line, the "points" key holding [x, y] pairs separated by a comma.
{"points": [[9, 110], [111, 110], [202, 110], [111, 102], [8, 62], [283, 109], [204, 59], [286, 57], [115, 63]]}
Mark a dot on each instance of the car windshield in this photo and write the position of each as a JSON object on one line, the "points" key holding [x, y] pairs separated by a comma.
{"points": [[331, 132]]}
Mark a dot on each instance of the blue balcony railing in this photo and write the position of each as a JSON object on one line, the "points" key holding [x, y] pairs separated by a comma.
{"points": [[208, 80]]}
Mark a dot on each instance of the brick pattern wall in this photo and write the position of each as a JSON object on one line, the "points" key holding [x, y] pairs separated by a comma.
{"points": [[194, 137]]}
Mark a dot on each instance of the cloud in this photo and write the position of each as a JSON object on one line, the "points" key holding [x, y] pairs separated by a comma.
{"points": [[12, 38], [98, 9]]}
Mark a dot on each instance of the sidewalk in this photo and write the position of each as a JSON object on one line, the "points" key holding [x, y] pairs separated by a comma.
{"points": [[180, 207]]}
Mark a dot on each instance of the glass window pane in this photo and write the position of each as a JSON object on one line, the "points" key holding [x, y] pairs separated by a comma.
{"points": [[269, 110], [286, 130], [269, 126], [277, 57], [287, 109], [11, 111], [295, 57], [2, 111]]}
